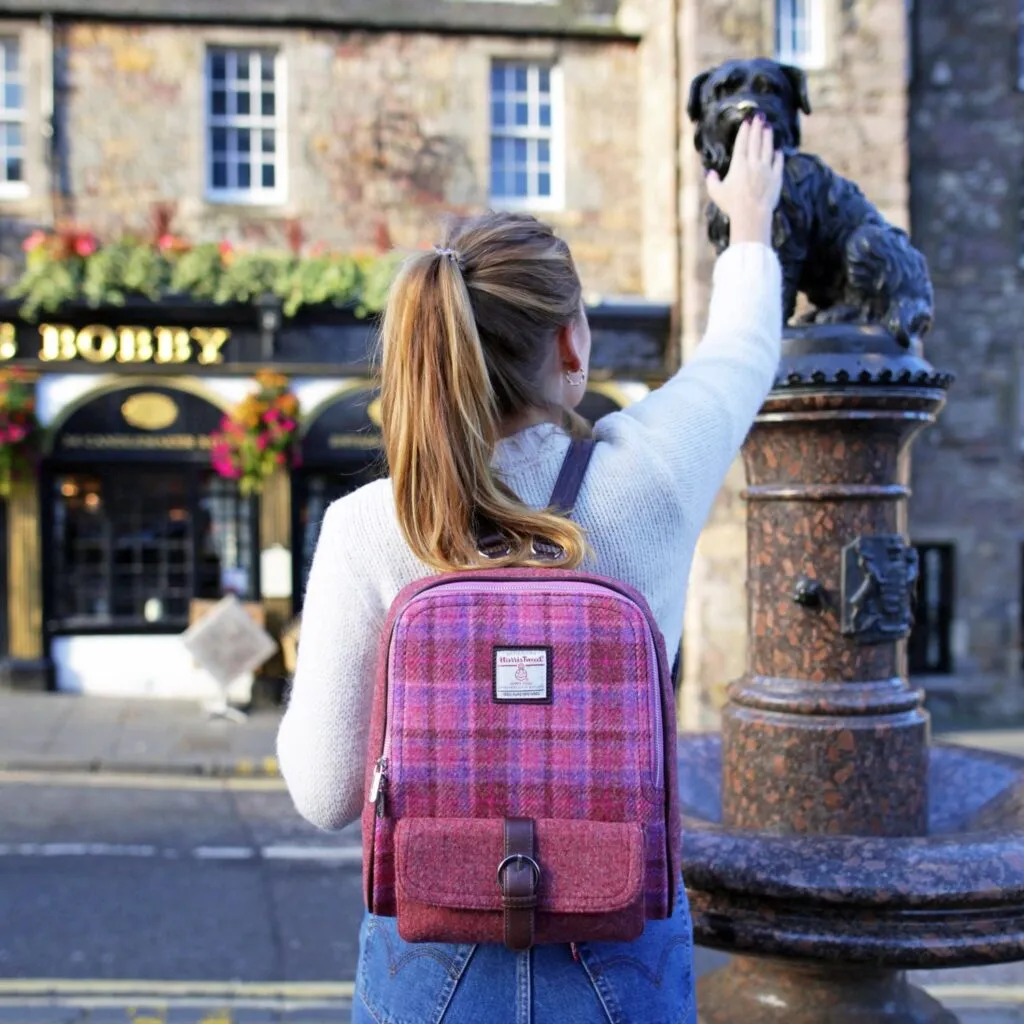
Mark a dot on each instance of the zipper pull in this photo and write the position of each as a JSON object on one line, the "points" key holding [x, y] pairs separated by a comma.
{"points": [[379, 785]]}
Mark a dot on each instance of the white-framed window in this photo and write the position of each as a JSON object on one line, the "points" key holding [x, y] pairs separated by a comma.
{"points": [[245, 153], [12, 119], [800, 32], [526, 136]]}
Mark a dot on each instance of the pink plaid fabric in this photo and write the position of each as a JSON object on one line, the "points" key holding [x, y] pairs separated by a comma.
{"points": [[602, 750]]}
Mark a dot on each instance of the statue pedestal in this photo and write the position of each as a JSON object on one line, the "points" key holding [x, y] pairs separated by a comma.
{"points": [[820, 830]]}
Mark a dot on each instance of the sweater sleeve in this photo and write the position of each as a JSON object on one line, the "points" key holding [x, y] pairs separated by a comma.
{"points": [[696, 422], [321, 742]]}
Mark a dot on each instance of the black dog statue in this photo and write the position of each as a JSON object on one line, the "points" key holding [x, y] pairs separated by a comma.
{"points": [[834, 246]]}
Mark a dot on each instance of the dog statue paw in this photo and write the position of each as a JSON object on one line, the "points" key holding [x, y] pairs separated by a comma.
{"points": [[833, 244]]}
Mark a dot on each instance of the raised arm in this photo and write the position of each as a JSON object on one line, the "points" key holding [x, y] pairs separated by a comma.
{"points": [[697, 420]]}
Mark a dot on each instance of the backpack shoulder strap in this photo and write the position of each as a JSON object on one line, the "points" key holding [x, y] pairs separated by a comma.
{"points": [[570, 478]]}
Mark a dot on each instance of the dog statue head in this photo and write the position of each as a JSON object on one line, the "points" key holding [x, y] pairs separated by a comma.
{"points": [[724, 97]]}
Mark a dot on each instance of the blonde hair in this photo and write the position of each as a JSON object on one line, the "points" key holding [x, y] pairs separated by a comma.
{"points": [[467, 337]]}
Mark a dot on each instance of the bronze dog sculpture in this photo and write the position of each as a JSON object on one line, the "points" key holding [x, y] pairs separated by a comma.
{"points": [[863, 270]]}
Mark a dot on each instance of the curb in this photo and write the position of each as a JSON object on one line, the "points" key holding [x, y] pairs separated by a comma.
{"points": [[242, 768]]}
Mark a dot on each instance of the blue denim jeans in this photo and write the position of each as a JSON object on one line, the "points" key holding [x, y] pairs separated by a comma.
{"points": [[649, 981]]}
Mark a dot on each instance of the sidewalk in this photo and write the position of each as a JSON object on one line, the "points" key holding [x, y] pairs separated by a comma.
{"points": [[64, 732]]}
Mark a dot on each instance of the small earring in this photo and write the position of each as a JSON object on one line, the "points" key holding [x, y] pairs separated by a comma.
{"points": [[576, 378]]}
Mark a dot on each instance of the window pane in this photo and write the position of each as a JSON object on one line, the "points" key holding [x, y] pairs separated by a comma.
{"points": [[522, 115], [14, 136], [498, 113], [268, 142], [14, 169], [269, 176], [543, 151], [520, 183], [545, 115], [242, 104], [497, 182], [218, 70], [519, 151], [219, 103], [220, 174], [497, 77], [544, 184], [520, 78], [12, 96], [269, 104], [219, 140], [267, 67], [243, 67], [10, 54], [243, 144], [544, 83], [244, 174]]}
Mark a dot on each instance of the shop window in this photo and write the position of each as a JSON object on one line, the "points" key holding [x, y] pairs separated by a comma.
{"points": [[526, 135], [800, 32], [314, 490], [930, 645], [133, 546], [12, 119], [244, 136]]}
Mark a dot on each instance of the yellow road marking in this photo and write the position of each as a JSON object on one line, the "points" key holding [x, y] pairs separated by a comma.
{"points": [[194, 989], [115, 780]]}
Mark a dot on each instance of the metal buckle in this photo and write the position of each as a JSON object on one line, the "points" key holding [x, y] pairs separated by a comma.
{"points": [[520, 859]]}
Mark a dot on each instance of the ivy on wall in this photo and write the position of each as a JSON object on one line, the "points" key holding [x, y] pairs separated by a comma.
{"points": [[71, 265]]}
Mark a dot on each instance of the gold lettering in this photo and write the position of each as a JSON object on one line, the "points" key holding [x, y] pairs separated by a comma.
{"points": [[57, 343], [211, 341], [135, 345], [8, 342], [97, 344], [137, 442], [172, 345]]}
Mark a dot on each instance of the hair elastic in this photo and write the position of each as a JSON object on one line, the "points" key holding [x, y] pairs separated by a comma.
{"points": [[450, 253]]}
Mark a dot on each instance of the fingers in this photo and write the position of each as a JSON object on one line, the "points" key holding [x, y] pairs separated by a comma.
{"points": [[756, 143], [714, 187], [741, 147]]}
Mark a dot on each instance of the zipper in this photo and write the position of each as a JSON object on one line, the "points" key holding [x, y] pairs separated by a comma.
{"points": [[380, 778]]}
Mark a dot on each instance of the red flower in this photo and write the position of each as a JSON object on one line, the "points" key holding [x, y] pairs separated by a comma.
{"points": [[85, 245], [36, 239]]}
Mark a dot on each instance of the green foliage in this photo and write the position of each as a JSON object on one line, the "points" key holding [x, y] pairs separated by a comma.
{"points": [[68, 267]]}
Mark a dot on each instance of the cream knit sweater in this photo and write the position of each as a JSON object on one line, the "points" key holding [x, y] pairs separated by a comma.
{"points": [[650, 486]]}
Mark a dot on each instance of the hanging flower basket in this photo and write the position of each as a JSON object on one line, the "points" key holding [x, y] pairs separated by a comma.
{"points": [[258, 435], [19, 429]]}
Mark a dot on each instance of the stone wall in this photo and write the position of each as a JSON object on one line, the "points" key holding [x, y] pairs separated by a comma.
{"points": [[967, 149], [386, 133], [859, 127]]}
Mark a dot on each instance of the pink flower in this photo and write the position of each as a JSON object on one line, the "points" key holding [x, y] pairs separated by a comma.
{"points": [[166, 242], [288, 426], [85, 245], [225, 249], [262, 441], [279, 458], [16, 434], [271, 416], [36, 239]]}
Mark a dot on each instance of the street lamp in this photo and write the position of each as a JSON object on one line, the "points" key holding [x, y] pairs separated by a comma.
{"points": [[269, 307]]}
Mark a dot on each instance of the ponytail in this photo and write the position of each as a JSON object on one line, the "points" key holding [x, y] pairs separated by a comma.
{"points": [[441, 416]]}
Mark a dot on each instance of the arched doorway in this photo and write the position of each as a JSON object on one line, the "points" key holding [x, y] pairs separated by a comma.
{"points": [[341, 450], [137, 526]]}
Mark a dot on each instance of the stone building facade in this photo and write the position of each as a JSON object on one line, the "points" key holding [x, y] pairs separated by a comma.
{"points": [[382, 121], [967, 160]]}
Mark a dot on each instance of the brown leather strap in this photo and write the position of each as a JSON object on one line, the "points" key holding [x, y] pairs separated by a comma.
{"points": [[519, 878], [494, 544], [570, 477]]}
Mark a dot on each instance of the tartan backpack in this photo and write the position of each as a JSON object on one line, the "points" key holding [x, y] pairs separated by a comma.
{"points": [[521, 781]]}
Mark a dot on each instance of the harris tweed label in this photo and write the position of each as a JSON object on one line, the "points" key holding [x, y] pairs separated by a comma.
{"points": [[522, 675]]}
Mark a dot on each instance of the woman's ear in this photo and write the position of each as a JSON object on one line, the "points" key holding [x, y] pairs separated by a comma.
{"points": [[568, 356]]}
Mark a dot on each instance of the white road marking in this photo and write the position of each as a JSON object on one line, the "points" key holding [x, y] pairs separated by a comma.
{"points": [[117, 780], [223, 852], [340, 854]]}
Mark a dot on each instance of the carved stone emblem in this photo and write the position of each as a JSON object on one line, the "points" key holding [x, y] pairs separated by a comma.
{"points": [[879, 574]]}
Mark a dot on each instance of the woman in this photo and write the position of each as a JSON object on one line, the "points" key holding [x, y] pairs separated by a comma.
{"points": [[485, 353]]}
